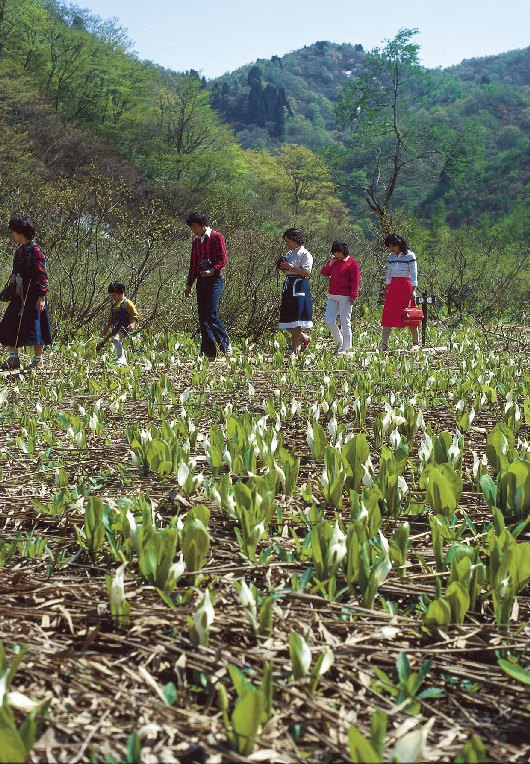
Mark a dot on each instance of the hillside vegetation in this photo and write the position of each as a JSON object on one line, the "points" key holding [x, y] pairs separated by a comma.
{"points": [[108, 152]]}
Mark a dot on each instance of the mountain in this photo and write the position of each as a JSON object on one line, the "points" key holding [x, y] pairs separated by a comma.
{"points": [[480, 109], [306, 83], [75, 99]]}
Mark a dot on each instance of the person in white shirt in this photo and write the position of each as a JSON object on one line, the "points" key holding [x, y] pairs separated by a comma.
{"points": [[296, 311], [401, 280]]}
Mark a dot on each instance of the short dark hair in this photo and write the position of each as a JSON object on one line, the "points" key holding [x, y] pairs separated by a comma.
{"points": [[196, 217], [339, 245], [22, 224], [117, 286], [294, 234], [395, 239]]}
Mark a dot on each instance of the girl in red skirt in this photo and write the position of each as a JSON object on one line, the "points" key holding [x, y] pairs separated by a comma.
{"points": [[401, 280]]}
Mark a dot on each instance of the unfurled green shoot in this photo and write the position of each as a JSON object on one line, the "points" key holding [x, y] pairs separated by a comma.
{"points": [[119, 607], [17, 740], [201, 621], [406, 691], [252, 709]]}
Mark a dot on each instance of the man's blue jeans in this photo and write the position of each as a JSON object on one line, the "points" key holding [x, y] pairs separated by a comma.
{"points": [[213, 332]]}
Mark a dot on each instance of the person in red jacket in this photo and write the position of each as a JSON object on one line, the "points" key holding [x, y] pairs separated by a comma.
{"points": [[208, 257], [344, 277]]}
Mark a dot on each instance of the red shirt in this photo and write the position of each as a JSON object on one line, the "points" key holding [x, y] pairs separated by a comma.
{"points": [[345, 277], [212, 248]]}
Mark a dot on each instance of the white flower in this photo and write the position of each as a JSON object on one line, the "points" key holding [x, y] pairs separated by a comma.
{"points": [[280, 474], [245, 595], [332, 429], [177, 569], [453, 452], [367, 478], [402, 486], [145, 437], [227, 458], [117, 589], [394, 439], [182, 474], [203, 618], [21, 702], [384, 542], [3, 686], [337, 546], [327, 661], [425, 449], [217, 498]]}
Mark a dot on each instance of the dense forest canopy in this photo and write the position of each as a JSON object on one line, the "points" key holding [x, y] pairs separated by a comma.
{"points": [[95, 140]]}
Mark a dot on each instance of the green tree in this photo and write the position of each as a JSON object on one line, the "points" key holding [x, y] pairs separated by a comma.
{"points": [[309, 183], [375, 108]]}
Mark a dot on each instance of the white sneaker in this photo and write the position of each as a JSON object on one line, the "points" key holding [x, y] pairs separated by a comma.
{"points": [[122, 361], [415, 348]]}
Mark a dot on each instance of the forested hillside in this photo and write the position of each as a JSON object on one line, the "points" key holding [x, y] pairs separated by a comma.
{"points": [[108, 152], [481, 111]]}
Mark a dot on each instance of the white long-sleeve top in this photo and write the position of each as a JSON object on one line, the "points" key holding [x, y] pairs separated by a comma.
{"points": [[402, 266], [300, 258]]}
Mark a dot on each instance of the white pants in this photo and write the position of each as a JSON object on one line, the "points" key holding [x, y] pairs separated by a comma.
{"points": [[339, 305]]}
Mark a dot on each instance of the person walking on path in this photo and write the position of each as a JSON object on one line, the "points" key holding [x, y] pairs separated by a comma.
{"points": [[208, 257], [296, 310], [344, 277], [122, 318], [401, 280], [26, 321]]}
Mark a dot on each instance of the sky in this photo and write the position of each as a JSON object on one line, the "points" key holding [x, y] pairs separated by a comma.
{"points": [[216, 36]]}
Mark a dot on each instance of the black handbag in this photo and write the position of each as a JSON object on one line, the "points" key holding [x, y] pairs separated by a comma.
{"points": [[8, 293]]}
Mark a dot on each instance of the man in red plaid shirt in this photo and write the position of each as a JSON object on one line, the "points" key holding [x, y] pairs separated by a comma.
{"points": [[208, 256]]}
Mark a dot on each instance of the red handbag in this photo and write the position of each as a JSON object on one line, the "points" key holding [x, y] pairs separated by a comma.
{"points": [[411, 313]]}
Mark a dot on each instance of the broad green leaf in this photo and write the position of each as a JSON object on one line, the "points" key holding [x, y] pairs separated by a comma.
{"points": [[403, 667], [12, 748], [359, 749], [438, 612], [440, 494], [459, 601], [134, 748], [377, 576], [489, 489], [300, 655], [472, 752], [246, 721], [514, 670], [241, 684], [356, 452], [378, 732]]}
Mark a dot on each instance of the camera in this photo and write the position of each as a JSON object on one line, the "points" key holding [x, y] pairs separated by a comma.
{"points": [[206, 265], [281, 260]]}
